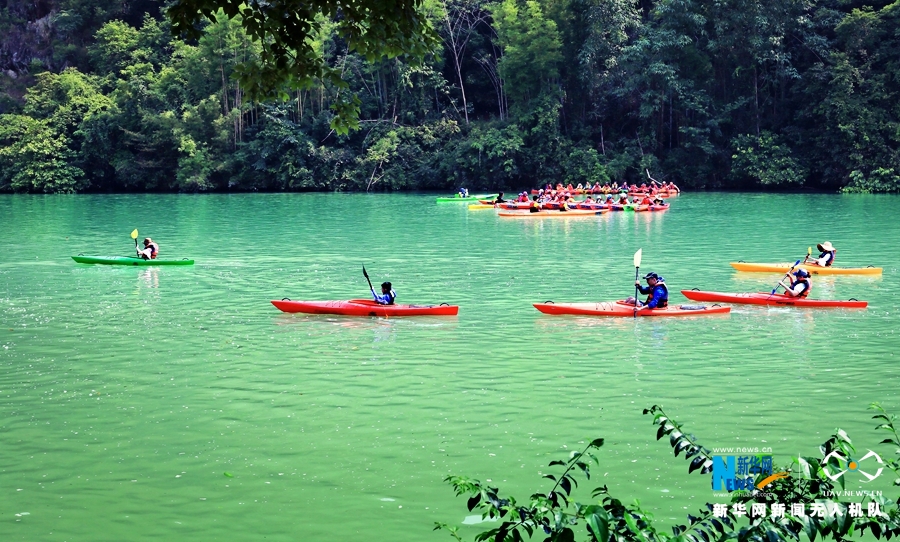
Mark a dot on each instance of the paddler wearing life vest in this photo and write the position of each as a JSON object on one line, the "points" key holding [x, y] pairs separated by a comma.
{"points": [[387, 296], [150, 250], [800, 284], [826, 258], [658, 297]]}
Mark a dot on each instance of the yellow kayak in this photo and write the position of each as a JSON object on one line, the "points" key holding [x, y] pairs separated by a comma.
{"points": [[478, 206], [813, 269]]}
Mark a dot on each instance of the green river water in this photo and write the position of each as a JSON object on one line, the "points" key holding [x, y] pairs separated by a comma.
{"points": [[177, 403]]}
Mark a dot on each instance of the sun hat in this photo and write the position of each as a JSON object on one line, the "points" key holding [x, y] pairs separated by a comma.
{"points": [[825, 247]]}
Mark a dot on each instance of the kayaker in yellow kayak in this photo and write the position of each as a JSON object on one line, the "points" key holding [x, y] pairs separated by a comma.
{"points": [[387, 296], [826, 258], [658, 297], [800, 285], [149, 251]]}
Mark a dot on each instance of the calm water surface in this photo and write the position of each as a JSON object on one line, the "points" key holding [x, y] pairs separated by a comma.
{"points": [[176, 403]]}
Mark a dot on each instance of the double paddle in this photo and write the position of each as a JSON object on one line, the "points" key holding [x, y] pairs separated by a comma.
{"points": [[367, 280], [637, 266]]}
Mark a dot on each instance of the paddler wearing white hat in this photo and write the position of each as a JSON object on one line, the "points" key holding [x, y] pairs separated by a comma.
{"points": [[826, 258]]}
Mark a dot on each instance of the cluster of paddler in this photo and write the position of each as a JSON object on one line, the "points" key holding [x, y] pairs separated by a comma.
{"points": [[797, 284], [550, 202]]}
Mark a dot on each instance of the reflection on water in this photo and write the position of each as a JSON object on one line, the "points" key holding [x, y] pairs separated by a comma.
{"points": [[149, 277]]}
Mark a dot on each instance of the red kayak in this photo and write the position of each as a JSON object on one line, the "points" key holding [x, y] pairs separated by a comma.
{"points": [[763, 298], [620, 308], [364, 307]]}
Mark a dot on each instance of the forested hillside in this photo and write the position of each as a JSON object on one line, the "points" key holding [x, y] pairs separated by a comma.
{"points": [[99, 96]]}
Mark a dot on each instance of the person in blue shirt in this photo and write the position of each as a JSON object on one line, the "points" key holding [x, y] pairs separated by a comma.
{"points": [[658, 297], [387, 296], [463, 192], [800, 284]]}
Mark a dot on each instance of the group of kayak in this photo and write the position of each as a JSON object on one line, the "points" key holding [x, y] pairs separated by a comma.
{"points": [[797, 285], [653, 189], [551, 203]]}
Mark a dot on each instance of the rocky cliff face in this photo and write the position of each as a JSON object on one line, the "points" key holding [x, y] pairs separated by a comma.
{"points": [[52, 34], [26, 34]]}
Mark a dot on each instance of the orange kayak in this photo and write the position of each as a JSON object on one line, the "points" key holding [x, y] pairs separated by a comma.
{"points": [[813, 269], [550, 214]]}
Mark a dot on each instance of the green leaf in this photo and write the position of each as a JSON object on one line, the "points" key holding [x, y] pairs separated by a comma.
{"points": [[597, 443], [809, 527], [228, 474], [696, 463], [598, 523], [632, 525], [566, 485]]}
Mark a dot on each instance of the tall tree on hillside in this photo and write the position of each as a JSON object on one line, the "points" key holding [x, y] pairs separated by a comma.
{"points": [[530, 49], [460, 20]]}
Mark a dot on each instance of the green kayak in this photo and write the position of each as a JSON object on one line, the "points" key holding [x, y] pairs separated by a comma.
{"points": [[129, 260], [468, 199]]}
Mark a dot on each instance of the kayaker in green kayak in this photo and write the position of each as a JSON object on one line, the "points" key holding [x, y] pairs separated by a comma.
{"points": [[149, 251], [658, 297], [800, 285], [387, 296]]}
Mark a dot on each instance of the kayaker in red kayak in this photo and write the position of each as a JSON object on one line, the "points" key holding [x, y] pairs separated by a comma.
{"points": [[387, 296], [826, 258], [800, 286], [658, 297], [499, 199], [535, 207], [150, 250]]}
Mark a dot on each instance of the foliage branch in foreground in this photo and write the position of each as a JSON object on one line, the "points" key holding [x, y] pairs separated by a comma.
{"points": [[287, 31], [557, 515]]}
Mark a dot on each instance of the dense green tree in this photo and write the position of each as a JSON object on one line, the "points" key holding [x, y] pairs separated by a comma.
{"points": [[777, 94]]}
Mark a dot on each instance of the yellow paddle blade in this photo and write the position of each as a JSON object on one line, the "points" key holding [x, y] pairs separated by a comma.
{"points": [[134, 234], [637, 257], [808, 251]]}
